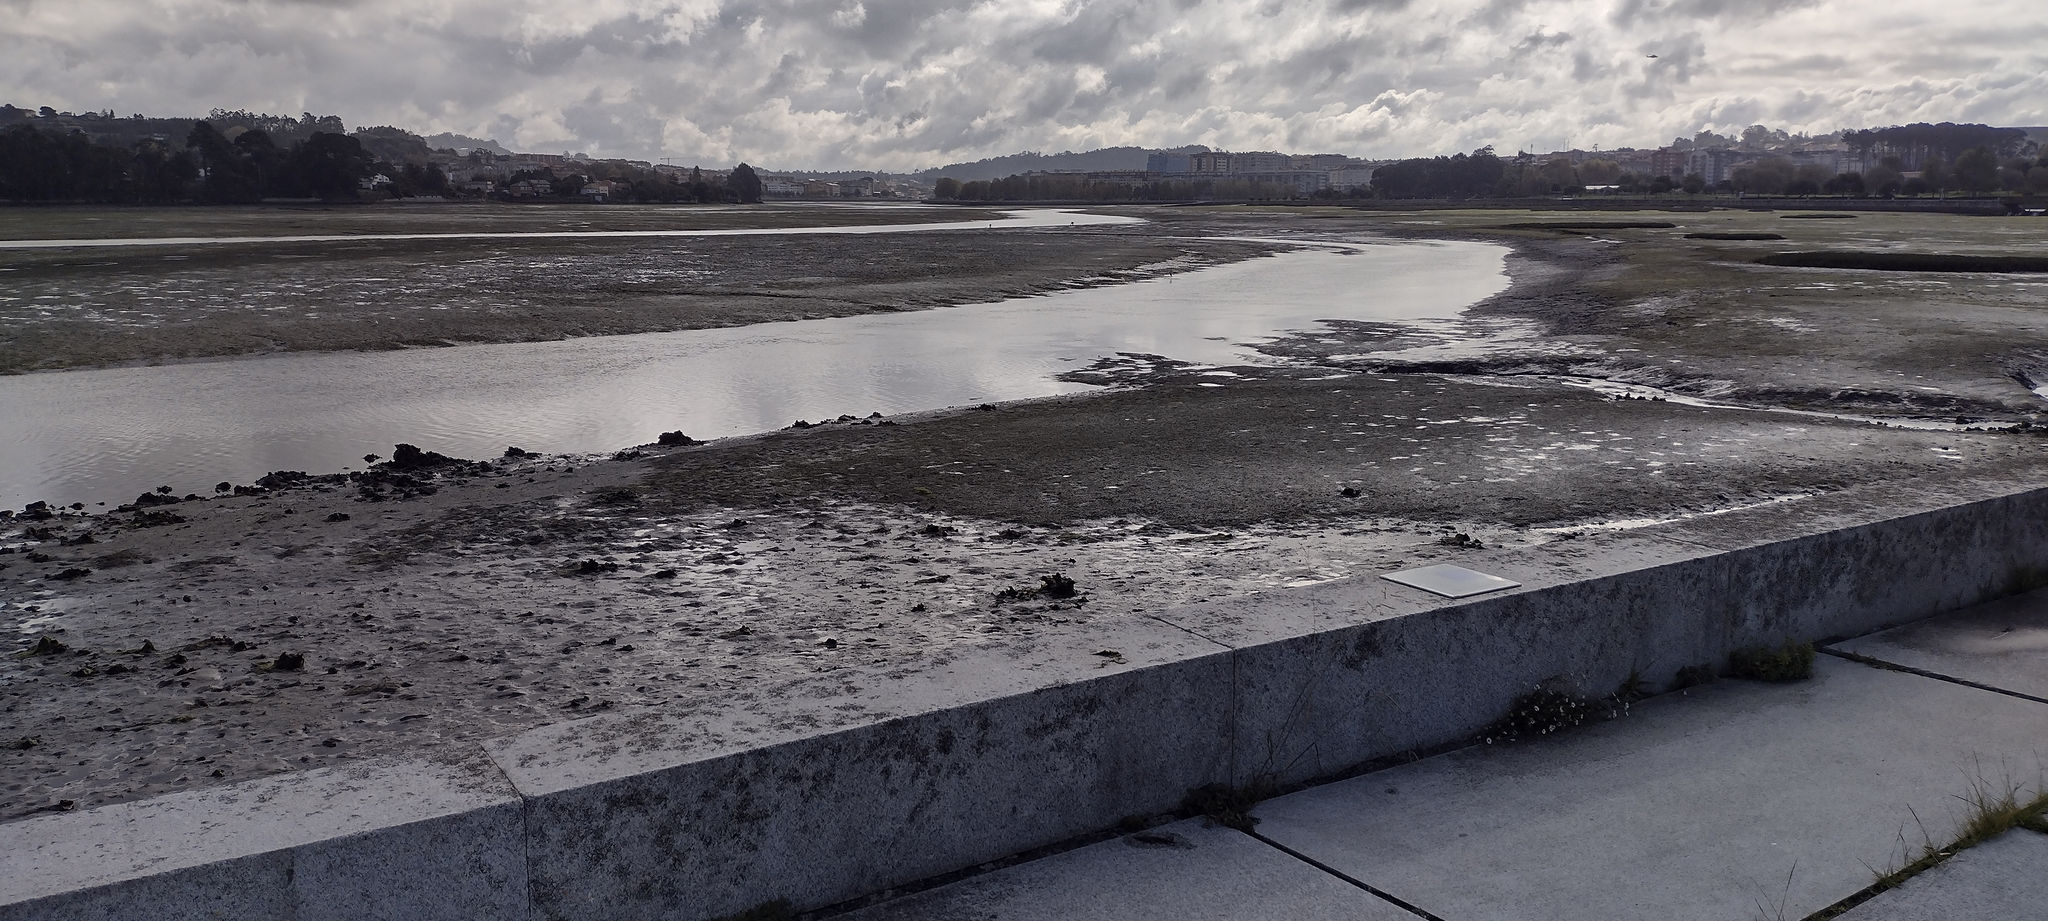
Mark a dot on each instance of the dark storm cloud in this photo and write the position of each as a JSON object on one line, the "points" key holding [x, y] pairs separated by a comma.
{"points": [[1632, 12], [905, 83], [1539, 40]]}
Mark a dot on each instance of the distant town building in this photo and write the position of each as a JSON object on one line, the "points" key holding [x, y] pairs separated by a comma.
{"points": [[1167, 163], [781, 187], [1212, 163], [1260, 161], [1668, 162], [1344, 180], [1715, 164]]}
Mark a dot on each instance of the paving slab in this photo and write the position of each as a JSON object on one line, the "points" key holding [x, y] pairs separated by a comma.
{"points": [[1733, 800], [2003, 644], [1186, 871], [2003, 878]]}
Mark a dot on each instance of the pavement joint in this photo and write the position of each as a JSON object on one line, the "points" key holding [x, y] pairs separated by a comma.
{"points": [[1861, 659], [1190, 631], [1370, 889]]}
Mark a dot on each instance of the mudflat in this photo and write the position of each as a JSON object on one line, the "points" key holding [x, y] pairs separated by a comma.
{"points": [[1628, 375], [90, 307]]}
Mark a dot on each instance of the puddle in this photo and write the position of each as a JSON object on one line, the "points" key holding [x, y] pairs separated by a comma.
{"points": [[39, 614], [1632, 524], [1645, 392]]}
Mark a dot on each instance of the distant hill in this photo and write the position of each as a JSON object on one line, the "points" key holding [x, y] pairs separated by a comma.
{"points": [[1107, 158], [446, 141]]}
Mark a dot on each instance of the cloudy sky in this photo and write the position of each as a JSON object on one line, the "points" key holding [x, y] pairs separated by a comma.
{"points": [[902, 84]]}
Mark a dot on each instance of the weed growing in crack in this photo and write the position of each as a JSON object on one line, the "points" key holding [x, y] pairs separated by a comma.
{"points": [[1693, 676], [1548, 710], [1990, 809], [1228, 806], [1789, 662], [777, 910]]}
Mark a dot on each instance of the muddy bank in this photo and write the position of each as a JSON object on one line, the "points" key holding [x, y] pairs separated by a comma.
{"points": [[1665, 306], [424, 216], [212, 640], [74, 308]]}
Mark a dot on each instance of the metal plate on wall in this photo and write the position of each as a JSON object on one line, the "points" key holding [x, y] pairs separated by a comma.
{"points": [[1450, 581]]}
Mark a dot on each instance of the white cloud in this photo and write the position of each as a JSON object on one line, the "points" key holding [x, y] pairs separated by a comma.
{"points": [[909, 83]]}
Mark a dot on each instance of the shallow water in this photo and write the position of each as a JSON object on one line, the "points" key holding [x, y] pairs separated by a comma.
{"points": [[107, 435]]}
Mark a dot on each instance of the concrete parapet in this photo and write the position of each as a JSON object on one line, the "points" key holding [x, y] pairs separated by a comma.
{"points": [[416, 839], [830, 787], [846, 786]]}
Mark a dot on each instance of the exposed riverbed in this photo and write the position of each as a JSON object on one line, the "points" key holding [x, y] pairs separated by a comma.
{"points": [[486, 599], [109, 434]]}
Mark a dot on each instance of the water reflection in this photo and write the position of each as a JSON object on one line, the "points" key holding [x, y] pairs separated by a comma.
{"points": [[106, 435]]}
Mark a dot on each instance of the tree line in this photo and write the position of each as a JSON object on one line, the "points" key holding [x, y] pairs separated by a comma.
{"points": [[1048, 187], [1978, 170], [1946, 141], [38, 165], [244, 163]]}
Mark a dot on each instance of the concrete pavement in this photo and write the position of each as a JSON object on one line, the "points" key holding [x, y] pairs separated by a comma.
{"points": [[1732, 800]]}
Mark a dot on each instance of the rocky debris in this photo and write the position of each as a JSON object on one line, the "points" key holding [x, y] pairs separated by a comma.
{"points": [[279, 479], [675, 438], [408, 474], [410, 457], [518, 452], [616, 497], [46, 645], [156, 519], [1461, 541], [337, 516], [1055, 585]]}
